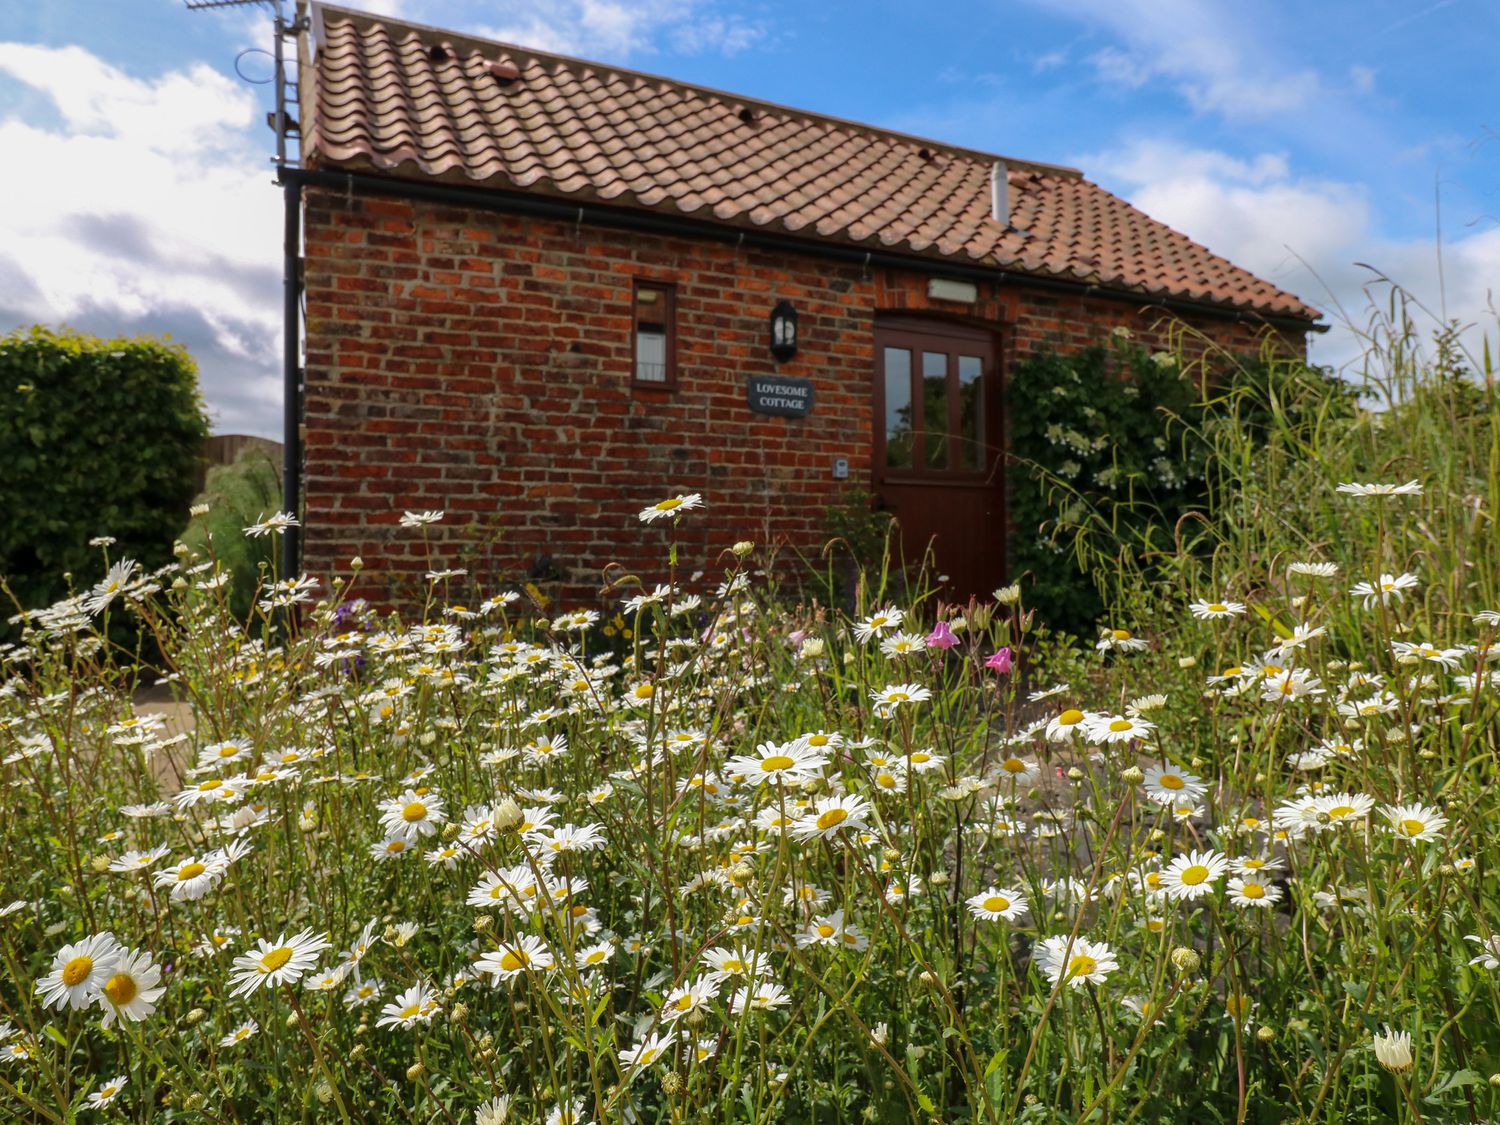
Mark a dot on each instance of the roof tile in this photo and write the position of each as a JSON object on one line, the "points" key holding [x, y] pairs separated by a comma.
{"points": [[379, 99]]}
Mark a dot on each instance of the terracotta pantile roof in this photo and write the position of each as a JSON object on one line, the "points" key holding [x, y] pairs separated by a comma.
{"points": [[411, 101]]}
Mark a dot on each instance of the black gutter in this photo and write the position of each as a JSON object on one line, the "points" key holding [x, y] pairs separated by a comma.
{"points": [[487, 200], [291, 372]]}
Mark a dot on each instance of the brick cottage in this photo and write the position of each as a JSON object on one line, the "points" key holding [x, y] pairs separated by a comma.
{"points": [[541, 293]]}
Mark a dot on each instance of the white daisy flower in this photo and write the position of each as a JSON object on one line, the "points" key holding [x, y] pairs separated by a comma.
{"points": [[1076, 961], [1191, 876], [79, 971], [278, 962], [998, 904], [671, 507]]}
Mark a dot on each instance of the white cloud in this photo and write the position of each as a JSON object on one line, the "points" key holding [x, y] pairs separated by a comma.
{"points": [[147, 207], [1314, 237], [1214, 55], [617, 29]]}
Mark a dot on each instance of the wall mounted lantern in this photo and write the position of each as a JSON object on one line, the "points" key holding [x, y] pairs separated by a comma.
{"points": [[783, 331]]}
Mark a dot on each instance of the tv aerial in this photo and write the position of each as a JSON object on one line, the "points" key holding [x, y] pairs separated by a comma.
{"points": [[281, 120]]}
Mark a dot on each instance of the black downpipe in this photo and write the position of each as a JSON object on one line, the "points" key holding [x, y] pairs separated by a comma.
{"points": [[291, 409]]}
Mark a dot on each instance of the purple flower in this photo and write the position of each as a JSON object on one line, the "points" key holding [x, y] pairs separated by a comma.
{"points": [[941, 636], [1000, 662]]}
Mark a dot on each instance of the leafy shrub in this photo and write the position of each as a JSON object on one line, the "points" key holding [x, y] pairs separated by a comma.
{"points": [[237, 495], [97, 437], [1118, 441]]}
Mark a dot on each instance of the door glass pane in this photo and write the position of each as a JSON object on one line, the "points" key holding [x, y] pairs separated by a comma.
{"points": [[971, 428], [935, 409], [898, 421]]}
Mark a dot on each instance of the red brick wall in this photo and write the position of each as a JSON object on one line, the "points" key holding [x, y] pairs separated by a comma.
{"points": [[481, 363]]}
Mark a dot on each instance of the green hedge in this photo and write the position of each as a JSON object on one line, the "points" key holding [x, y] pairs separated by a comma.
{"points": [[97, 438]]}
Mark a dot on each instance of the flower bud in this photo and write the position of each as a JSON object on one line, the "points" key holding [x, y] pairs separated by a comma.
{"points": [[323, 1092], [671, 1083], [1186, 961], [415, 1071], [741, 549], [508, 816], [356, 563], [195, 1016], [1132, 775]]}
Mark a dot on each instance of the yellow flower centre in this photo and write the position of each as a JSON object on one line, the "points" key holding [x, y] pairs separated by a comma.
{"points": [[190, 871], [1218, 607], [273, 959], [595, 957], [776, 762], [414, 811], [886, 781], [644, 691], [1194, 875], [410, 1010], [684, 1002], [832, 818], [898, 697], [667, 505], [77, 970], [818, 740], [1071, 717], [228, 751], [1272, 670], [1252, 890], [1153, 880], [1119, 724], [395, 847], [1013, 765], [1171, 781], [997, 903], [1082, 966], [1338, 812], [514, 959], [1120, 634], [121, 989], [825, 930], [209, 786], [1410, 827], [1233, 670]]}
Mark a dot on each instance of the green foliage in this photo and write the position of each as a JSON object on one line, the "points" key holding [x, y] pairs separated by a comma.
{"points": [[857, 540], [97, 437], [237, 495], [1118, 442]]}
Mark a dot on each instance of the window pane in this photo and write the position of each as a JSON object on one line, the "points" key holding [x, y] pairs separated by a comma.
{"points": [[898, 427], [650, 354], [971, 428], [653, 333], [935, 409]]}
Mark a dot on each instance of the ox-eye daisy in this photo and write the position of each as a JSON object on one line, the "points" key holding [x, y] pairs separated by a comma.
{"points": [[671, 506], [1193, 875], [510, 959], [131, 990], [998, 903], [1167, 784], [1415, 822], [106, 1092], [278, 962], [79, 971], [1075, 961], [831, 815], [1251, 891]]}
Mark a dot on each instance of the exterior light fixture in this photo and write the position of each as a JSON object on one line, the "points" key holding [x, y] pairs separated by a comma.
{"points": [[783, 331]]}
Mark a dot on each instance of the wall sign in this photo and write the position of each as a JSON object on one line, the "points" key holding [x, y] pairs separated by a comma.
{"points": [[777, 394]]}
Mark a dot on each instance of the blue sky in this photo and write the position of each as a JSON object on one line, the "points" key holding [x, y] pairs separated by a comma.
{"points": [[1302, 141]]}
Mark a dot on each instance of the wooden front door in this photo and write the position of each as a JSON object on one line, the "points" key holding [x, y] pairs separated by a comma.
{"points": [[937, 457]]}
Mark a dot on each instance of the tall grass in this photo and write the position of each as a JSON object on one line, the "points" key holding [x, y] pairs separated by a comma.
{"points": [[774, 861]]}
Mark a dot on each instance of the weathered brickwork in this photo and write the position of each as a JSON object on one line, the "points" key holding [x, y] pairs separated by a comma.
{"points": [[480, 362]]}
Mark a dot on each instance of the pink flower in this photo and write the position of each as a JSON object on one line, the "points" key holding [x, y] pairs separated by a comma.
{"points": [[796, 638], [941, 636], [1000, 662]]}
